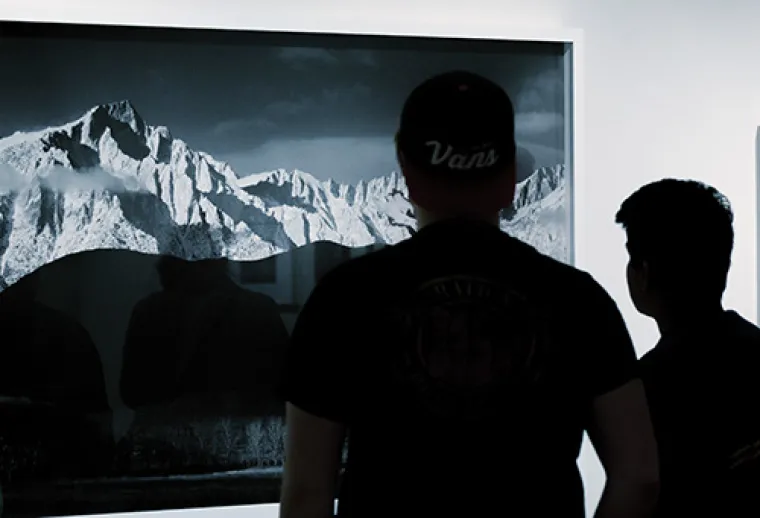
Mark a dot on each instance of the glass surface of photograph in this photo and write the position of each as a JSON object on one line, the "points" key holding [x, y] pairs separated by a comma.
{"points": [[168, 200]]}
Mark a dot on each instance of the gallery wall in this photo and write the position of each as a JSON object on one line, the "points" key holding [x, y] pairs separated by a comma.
{"points": [[669, 89]]}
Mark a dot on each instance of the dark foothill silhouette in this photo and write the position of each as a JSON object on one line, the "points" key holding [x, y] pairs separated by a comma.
{"points": [[200, 351], [701, 378], [54, 410]]}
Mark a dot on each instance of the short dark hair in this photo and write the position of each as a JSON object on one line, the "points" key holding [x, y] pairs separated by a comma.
{"points": [[683, 229]]}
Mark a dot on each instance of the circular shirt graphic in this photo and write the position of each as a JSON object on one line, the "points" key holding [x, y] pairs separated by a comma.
{"points": [[469, 344]]}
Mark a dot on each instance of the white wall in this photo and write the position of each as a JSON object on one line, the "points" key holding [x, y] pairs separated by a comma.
{"points": [[672, 88]]}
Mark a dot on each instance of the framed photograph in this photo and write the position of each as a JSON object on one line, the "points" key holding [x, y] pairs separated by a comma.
{"points": [[168, 199]]}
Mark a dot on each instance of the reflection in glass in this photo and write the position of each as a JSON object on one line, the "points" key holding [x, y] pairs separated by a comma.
{"points": [[165, 213]]}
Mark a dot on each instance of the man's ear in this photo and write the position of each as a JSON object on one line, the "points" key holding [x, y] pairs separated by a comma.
{"points": [[645, 276], [507, 184], [642, 272], [400, 158], [411, 178]]}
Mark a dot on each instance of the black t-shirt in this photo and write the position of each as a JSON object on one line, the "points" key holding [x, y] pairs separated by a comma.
{"points": [[703, 389], [464, 364]]}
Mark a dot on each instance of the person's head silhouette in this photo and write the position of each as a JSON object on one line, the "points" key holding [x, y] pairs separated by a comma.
{"points": [[177, 274], [680, 238], [456, 147]]}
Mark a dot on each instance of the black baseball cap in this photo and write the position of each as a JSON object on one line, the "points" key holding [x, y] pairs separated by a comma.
{"points": [[458, 124]]}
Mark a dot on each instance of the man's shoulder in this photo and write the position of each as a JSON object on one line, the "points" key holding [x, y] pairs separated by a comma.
{"points": [[536, 262], [648, 363], [559, 275], [733, 339], [545, 273], [743, 328], [738, 344]]}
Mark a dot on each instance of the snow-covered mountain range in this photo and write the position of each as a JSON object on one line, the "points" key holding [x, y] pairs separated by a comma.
{"points": [[110, 180]]}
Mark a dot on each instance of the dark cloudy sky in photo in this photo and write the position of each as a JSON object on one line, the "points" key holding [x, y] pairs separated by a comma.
{"points": [[271, 102]]}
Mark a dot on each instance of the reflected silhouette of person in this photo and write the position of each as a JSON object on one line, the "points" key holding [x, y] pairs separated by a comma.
{"points": [[701, 378], [203, 339], [52, 384]]}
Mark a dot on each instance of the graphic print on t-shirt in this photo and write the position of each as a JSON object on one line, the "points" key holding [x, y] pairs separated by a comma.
{"points": [[469, 344]]}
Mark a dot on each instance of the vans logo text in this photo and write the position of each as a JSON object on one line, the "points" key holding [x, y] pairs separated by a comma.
{"points": [[464, 162]]}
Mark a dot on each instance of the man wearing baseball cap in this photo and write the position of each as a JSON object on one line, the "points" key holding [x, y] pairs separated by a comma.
{"points": [[461, 365]]}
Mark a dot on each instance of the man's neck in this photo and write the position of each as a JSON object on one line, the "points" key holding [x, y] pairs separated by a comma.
{"points": [[426, 218], [688, 317]]}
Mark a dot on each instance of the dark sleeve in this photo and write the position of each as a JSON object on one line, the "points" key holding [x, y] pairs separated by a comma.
{"points": [[317, 371], [609, 358]]}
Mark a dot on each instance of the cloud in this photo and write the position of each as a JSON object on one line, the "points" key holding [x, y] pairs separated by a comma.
{"points": [[344, 159], [538, 123], [541, 92], [303, 57], [327, 100], [93, 179], [539, 106], [233, 126], [525, 163], [298, 56], [361, 57], [11, 180], [62, 179]]}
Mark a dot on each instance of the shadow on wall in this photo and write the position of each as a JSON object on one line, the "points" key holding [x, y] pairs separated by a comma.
{"points": [[118, 367]]}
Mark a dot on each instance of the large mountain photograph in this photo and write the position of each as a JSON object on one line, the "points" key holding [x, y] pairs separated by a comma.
{"points": [[168, 199], [109, 180]]}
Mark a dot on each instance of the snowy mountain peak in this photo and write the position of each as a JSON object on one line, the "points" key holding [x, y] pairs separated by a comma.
{"points": [[277, 177], [123, 112], [109, 180], [539, 185]]}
